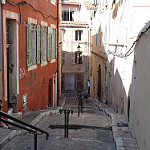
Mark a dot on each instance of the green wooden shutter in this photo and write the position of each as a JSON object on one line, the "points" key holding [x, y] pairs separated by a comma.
{"points": [[50, 43], [56, 43], [53, 44], [42, 43], [29, 45], [38, 52], [50, 34]]}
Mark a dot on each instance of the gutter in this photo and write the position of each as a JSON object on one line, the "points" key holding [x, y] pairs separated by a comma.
{"points": [[57, 52], [0, 57]]}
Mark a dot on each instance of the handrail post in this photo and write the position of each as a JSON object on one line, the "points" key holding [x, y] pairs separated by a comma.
{"points": [[65, 123], [35, 141], [68, 122], [0, 119]]}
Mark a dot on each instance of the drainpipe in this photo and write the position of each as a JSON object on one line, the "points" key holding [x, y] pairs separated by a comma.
{"points": [[57, 52], [0, 61]]}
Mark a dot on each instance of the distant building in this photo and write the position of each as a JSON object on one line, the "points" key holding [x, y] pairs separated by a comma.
{"points": [[29, 55], [76, 40]]}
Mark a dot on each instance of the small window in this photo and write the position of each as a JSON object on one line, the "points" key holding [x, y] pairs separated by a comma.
{"points": [[63, 58], [78, 35], [78, 57], [31, 44], [67, 16], [43, 43], [100, 40], [72, 57]]}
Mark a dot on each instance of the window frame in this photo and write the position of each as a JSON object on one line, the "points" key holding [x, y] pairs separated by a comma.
{"points": [[78, 35]]}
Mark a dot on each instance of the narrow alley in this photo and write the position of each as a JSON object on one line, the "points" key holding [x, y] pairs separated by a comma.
{"points": [[91, 130]]}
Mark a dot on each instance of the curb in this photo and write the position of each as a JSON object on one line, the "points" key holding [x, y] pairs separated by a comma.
{"points": [[39, 118], [109, 112]]}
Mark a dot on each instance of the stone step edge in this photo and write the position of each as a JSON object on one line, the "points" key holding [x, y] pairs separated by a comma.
{"points": [[39, 118]]}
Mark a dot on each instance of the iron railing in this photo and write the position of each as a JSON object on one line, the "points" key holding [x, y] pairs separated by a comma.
{"points": [[23, 125]]}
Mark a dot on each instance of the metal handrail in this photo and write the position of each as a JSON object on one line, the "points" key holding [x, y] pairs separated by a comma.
{"points": [[29, 128]]}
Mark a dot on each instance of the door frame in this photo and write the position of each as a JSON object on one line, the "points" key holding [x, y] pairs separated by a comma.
{"points": [[10, 15]]}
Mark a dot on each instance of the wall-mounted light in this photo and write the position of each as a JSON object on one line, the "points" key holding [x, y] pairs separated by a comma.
{"points": [[78, 48]]}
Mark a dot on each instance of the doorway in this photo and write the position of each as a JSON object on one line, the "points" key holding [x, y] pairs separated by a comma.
{"points": [[11, 64], [55, 90], [50, 93], [69, 82], [99, 82]]}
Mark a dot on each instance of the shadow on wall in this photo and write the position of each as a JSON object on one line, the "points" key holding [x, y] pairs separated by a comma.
{"points": [[117, 90], [75, 71]]}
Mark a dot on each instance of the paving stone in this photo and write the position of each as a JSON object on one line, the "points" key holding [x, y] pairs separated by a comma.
{"points": [[93, 134]]}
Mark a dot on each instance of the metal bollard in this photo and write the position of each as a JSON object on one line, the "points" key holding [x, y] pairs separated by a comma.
{"points": [[80, 103], [0, 113], [66, 112]]}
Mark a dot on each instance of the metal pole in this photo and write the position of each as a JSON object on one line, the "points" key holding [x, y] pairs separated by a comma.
{"points": [[78, 106], [35, 141], [0, 121], [81, 104], [65, 122]]}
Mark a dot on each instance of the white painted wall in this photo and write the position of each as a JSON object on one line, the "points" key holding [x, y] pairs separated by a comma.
{"points": [[124, 27]]}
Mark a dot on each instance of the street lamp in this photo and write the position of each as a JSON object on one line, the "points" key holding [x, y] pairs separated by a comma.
{"points": [[78, 48]]}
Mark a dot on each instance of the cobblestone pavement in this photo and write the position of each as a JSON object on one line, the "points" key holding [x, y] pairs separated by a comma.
{"points": [[91, 131]]}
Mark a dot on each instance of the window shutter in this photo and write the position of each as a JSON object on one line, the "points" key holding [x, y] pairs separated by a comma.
{"points": [[50, 38], [56, 43], [53, 44], [29, 46], [76, 35], [38, 57], [76, 57], [42, 44]]}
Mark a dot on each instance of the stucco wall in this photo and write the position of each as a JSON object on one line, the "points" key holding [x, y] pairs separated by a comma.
{"points": [[142, 94], [33, 82]]}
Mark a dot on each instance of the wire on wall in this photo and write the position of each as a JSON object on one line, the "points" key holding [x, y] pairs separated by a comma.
{"points": [[26, 3], [130, 51]]}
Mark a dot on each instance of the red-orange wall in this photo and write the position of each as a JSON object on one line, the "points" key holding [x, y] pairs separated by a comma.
{"points": [[36, 86]]}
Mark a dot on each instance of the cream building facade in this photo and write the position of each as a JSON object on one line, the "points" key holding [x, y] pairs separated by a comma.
{"points": [[76, 44]]}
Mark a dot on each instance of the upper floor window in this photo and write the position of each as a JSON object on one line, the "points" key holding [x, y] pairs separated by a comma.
{"points": [[100, 39], [67, 16], [41, 44], [31, 44], [63, 57], [72, 57], [78, 57], [78, 35]]}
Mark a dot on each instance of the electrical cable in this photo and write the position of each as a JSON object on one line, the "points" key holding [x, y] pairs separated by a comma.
{"points": [[130, 51], [26, 3]]}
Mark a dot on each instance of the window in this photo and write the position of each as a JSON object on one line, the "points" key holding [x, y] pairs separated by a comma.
{"points": [[105, 36], [72, 57], [41, 44], [78, 35], [31, 44], [54, 40], [100, 40], [63, 58], [96, 39], [78, 57], [67, 16], [50, 43]]}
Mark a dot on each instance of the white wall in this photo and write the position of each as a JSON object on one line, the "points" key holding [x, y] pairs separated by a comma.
{"points": [[124, 25]]}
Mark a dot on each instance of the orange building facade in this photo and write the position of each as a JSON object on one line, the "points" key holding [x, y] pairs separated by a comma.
{"points": [[29, 55]]}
